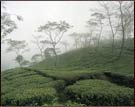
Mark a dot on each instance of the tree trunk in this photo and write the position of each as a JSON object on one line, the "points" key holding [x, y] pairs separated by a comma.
{"points": [[100, 33], [55, 53], [110, 23], [123, 32]]}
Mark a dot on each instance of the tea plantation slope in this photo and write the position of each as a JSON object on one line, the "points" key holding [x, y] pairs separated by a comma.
{"points": [[23, 89], [99, 58]]}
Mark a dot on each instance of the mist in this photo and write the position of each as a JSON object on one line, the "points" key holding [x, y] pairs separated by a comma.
{"points": [[36, 13]]}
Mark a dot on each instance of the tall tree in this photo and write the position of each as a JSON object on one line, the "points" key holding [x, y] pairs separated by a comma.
{"points": [[55, 31], [120, 16], [99, 19], [110, 12], [91, 25], [125, 14]]}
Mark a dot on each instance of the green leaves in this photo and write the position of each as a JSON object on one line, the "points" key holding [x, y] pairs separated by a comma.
{"points": [[61, 26], [7, 24], [100, 92], [35, 96]]}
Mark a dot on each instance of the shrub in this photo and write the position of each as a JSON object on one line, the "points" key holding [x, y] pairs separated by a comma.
{"points": [[36, 96], [120, 79], [100, 92], [58, 84]]}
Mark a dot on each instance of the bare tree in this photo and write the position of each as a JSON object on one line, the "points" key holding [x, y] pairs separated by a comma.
{"points": [[55, 31], [110, 12], [99, 19], [125, 14]]}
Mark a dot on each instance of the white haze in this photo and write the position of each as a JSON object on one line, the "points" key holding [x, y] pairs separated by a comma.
{"points": [[36, 13]]}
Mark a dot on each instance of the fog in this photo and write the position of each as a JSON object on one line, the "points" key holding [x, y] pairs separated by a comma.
{"points": [[75, 13], [36, 13]]}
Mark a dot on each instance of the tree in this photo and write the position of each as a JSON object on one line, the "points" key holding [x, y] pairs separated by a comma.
{"points": [[21, 61], [35, 58], [76, 38], [124, 11], [39, 45], [55, 31], [91, 24], [120, 16], [65, 44], [110, 13], [7, 25], [99, 20], [19, 47]]}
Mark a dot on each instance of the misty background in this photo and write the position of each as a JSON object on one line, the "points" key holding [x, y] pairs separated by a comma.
{"points": [[36, 13]]}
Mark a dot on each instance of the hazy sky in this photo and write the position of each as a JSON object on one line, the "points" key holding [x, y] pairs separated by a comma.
{"points": [[36, 13]]}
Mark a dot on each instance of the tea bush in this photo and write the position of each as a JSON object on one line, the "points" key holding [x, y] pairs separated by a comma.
{"points": [[35, 96], [100, 92], [127, 80], [71, 76]]}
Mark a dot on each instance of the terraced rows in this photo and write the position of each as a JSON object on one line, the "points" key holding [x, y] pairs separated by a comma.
{"points": [[44, 87]]}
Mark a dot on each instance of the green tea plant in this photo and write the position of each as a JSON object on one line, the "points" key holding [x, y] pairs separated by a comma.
{"points": [[100, 92]]}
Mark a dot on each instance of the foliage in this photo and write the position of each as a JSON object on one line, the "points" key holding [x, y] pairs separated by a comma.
{"points": [[35, 96], [7, 24], [55, 31], [120, 79], [18, 47], [100, 92]]}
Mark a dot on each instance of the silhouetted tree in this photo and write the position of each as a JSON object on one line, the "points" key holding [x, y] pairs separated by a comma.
{"points": [[55, 31]]}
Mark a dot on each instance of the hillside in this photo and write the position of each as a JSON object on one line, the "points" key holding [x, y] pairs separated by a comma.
{"points": [[100, 58], [80, 78]]}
